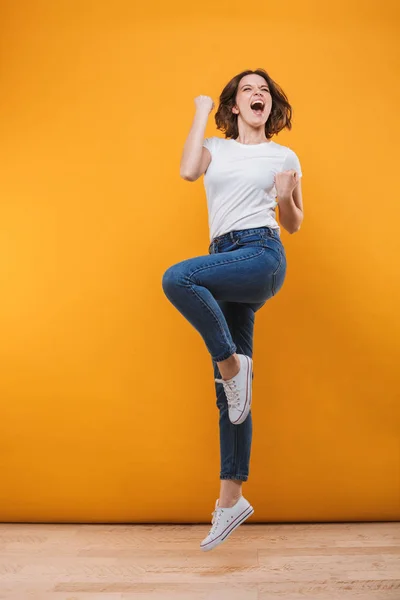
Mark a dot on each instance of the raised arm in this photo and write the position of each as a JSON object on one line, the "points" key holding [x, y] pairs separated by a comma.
{"points": [[195, 157]]}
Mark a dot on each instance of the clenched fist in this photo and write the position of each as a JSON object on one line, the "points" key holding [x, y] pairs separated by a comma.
{"points": [[285, 182], [204, 103]]}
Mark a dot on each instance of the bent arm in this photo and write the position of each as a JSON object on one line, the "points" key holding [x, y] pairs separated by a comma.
{"points": [[195, 157], [291, 211]]}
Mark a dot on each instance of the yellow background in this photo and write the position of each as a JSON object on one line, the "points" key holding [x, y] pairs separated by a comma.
{"points": [[107, 394]]}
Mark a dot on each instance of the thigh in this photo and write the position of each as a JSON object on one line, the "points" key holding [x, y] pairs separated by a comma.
{"points": [[246, 275]]}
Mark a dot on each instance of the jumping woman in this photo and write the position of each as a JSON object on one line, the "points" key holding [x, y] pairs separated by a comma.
{"points": [[246, 176]]}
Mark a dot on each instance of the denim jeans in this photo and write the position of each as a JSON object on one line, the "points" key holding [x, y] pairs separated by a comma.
{"points": [[219, 294]]}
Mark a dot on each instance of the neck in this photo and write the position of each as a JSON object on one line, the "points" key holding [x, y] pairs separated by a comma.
{"points": [[253, 136], [251, 140]]}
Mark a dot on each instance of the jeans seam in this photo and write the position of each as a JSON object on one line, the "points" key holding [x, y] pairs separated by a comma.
{"points": [[276, 272], [235, 453], [263, 244], [213, 314], [226, 262]]}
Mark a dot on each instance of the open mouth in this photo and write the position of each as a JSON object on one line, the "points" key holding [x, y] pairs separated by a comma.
{"points": [[257, 107]]}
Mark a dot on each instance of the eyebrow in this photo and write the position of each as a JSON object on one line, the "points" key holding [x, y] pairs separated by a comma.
{"points": [[251, 85]]}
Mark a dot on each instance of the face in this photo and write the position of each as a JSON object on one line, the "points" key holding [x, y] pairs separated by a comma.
{"points": [[253, 88]]}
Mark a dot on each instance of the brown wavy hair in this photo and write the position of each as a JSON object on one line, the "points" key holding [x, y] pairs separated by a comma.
{"points": [[279, 117]]}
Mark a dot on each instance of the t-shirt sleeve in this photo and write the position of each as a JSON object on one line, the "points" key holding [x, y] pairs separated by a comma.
{"points": [[210, 144], [292, 162]]}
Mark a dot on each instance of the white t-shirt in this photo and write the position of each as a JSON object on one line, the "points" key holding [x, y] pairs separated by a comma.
{"points": [[239, 183]]}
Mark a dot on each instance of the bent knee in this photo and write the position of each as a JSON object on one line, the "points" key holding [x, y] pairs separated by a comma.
{"points": [[170, 278]]}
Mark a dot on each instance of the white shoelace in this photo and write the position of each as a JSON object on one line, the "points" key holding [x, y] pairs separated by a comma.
{"points": [[216, 515], [232, 393]]}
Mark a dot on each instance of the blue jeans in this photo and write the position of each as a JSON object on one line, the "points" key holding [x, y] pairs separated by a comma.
{"points": [[219, 294]]}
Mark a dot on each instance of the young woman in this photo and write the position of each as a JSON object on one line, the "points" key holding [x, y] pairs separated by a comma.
{"points": [[246, 175]]}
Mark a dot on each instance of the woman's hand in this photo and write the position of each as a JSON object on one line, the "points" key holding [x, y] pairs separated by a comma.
{"points": [[285, 182], [204, 103]]}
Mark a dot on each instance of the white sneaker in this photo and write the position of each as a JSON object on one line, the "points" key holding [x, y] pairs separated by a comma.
{"points": [[238, 390], [225, 521]]}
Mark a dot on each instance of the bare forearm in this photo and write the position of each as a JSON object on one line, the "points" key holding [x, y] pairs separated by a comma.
{"points": [[290, 215], [193, 148]]}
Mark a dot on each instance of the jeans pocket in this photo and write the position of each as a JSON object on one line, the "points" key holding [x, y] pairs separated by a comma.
{"points": [[253, 239]]}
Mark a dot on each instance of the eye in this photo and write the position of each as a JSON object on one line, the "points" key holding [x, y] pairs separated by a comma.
{"points": [[247, 88]]}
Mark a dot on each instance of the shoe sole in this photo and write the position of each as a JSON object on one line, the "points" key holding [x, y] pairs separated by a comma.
{"points": [[230, 529], [249, 381]]}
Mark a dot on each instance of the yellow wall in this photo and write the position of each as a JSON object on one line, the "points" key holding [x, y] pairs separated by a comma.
{"points": [[107, 393]]}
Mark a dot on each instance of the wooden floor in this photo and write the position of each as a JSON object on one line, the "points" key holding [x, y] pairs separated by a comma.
{"points": [[257, 562]]}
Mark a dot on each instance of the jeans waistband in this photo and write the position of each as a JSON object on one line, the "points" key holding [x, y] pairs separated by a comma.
{"points": [[231, 235]]}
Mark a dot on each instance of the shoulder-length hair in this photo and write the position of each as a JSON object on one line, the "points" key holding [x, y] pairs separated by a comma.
{"points": [[279, 117]]}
